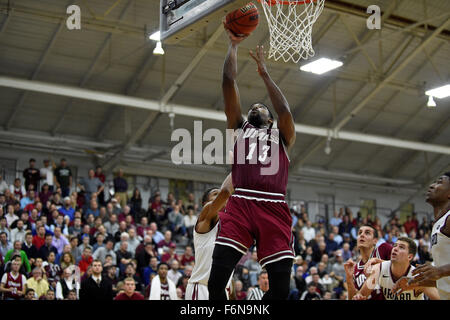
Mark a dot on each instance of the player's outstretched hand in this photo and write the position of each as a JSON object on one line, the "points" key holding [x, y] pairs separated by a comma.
{"points": [[368, 267], [234, 39], [359, 296], [425, 272], [349, 266], [258, 56], [401, 285]]}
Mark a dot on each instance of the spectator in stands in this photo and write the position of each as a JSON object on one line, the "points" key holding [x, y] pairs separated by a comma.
{"points": [[63, 178], [19, 232], [123, 256], [136, 203], [66, 284], [331, 244], [263, 286], [174, 274], [151, 269], [86, 260], [346, 252], [46, 173], [17, 189], [129, 292], [28, 247], [93, 208], [5, 244], [308, 231], [176, 222], [96, 287], [143, 227], [38, 283], [26, 200], [112, 226], [126, 212], [157, 235], [253, 267], [345, 226], [164, 245], [99, 243], [31, 176], [154, 208], [190, 219], [67, 209], [59, 240], [311, 293], [91, 185], [162, 288], [144, 255], [107, 249], [409, 225], [187, 259], [52, 270], [12, 284], [10, 215], [47, 247], [338, 267], [17, 250], [67, 260], [121, 188], [50, 295]]}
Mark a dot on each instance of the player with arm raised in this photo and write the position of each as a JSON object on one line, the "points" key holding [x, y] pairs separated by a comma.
{"points": [[205, 233], [257, 210], [386, 274], [370, 253], [438, 274]]}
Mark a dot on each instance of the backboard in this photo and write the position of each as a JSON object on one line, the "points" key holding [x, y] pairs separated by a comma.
{"points": [[181, 18]]}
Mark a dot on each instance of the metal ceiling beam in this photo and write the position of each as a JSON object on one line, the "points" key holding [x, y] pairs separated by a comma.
{"points": [[410, 119], [187, 111], [349, 114], [302, 109], [91, 68], [410, 157], [6, 21], [176, 86], [33, 76]]}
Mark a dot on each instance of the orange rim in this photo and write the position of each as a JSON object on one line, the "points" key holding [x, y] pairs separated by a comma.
{"points": [[274, 2]]}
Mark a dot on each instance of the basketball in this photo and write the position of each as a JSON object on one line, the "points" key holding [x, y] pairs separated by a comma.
{"points": [[244, 20]]}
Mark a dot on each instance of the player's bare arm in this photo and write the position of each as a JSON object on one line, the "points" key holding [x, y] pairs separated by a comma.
{"points": [[426, 275], [368, 267], [279, 102], [349, 265], [404, 284], [370, 282], [229, 86], [210, 210]]}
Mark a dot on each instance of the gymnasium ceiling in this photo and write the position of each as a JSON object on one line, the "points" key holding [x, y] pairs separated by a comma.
{"points": [[111, 53]]}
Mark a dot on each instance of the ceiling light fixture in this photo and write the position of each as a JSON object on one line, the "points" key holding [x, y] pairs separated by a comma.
{"points": [[158, 49], [321, 66]]}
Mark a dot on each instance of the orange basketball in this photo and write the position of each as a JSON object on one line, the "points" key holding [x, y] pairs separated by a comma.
{"points": [[244, 20]]}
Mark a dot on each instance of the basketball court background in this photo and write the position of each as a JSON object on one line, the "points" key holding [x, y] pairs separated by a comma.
{"points": [[377, 95]]}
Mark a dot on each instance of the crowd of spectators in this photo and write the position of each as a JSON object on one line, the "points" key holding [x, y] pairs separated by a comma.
{"points": [[64, 241]]}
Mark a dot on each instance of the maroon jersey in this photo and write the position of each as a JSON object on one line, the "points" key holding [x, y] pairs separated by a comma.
{"points": [[260, 161], [383, 252], [13, 283]]}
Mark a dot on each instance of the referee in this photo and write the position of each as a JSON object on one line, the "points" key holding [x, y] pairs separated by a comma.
{"points": [[263, 286]]}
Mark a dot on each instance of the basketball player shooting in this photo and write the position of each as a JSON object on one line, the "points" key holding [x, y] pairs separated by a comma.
{"points": [[257, 210]]}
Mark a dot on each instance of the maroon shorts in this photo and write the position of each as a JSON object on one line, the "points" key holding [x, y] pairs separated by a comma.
{"points": [[267, 223]]}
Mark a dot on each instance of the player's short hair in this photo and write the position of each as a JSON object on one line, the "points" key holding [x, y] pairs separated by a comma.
{"points": [[375, 231], [270, 112], [129, 279], [206, 194], [161, 264], [412, 247]]}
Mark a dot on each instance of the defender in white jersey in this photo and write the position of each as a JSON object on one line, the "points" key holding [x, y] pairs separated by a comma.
{"points": [[205, 233], [438, 274], [386, 274]]}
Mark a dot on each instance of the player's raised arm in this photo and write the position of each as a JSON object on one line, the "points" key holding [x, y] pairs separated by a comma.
{"points": [[369, 284], [210, 210], [229, 85], [279, 102], [349, 265]]}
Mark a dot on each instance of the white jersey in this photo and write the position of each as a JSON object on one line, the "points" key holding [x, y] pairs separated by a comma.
{"points": [[440, 250], [197, 288], [387, 283], [203, 247]]}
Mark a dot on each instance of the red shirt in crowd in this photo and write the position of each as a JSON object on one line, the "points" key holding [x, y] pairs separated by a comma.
{"points": [[124, 296], [38, 242], [185, 260], [85, 263]]}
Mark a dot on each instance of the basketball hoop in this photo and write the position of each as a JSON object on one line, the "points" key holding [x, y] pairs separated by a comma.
{"points": [[290, 27]]}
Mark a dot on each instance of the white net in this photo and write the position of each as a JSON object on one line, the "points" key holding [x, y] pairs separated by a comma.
{"points": [[290, 26]]}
